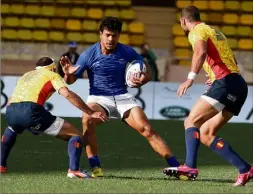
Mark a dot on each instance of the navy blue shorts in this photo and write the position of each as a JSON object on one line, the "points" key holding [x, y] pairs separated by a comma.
{"points": [[231, 91], [28, 116]]}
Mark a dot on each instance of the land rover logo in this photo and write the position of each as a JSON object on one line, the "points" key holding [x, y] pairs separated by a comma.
{"points": [[174, 112]]}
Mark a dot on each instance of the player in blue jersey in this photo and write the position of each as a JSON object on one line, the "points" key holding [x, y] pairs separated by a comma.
{"points": [[105, 63]]}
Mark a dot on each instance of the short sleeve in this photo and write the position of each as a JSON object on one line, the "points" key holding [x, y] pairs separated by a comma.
{"points": [[83, 62], [197, 34], [58, 82], [133, 55]]}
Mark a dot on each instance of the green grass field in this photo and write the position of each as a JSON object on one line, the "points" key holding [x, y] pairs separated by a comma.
{"points": [[38, 164]]}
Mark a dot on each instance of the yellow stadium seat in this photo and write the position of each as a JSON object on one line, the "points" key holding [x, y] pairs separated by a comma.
{"points": [[184, 63], [232, 5], [27, 22], [5, 8], [244, 31], [56, 36], [229, 30], [95, 13], [24, 34], [247, 6], [215, 17], [90, 37], [178, 16], [32, 9], [233, 43], [177, 30], [200, 4], [112, 12], [40, 35], [42, 23], [57, 23], [182, 4], [246, 19], [74, 36], [17, 8], [78, 12], [204, 16], [136, 40], [124, 27], [246, 44], [123, 2], [9, 34], [216, 5], [216, 27], [230, 18], [181, 41], [63, 1], [73, 25], [62, 11], [48, 10], [136, 27], [124, 39], [108, 2], [183, 53], [12, 21], [93, 2], [127, 14], [79, 1], [90, 25]]}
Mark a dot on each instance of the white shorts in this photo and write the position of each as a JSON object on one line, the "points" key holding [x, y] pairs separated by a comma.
{"points": [[55, 128], [215, 103], [116, 106]]}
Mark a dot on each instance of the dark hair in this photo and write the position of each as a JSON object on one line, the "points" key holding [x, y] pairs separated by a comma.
{"points": [[111, 23], [44, 61], [191, 13]]}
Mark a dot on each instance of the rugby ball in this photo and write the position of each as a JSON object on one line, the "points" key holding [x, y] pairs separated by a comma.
{"points": [[134, 67]]}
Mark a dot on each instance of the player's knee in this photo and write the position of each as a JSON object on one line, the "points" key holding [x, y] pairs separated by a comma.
{"points": [[147, 131], [193, 120]]}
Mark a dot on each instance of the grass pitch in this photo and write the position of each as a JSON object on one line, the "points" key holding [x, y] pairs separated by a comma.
{"points": [[38, 164]]}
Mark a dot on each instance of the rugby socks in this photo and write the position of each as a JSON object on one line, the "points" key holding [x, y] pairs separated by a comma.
{"points": [[172, 161], [8, 140], [94, 161], [220, 147], [75, 146], [192, 146]]}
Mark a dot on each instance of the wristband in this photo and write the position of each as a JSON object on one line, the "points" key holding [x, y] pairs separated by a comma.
{"points": [[192, 75]]}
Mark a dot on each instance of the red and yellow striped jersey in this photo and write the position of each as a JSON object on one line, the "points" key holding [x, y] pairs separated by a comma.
{"points": [[37, 86], [220, 59]]}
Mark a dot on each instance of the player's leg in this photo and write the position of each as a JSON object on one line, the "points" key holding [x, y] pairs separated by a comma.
{"points": [[136, 119], [90, 139], [208, 137]]}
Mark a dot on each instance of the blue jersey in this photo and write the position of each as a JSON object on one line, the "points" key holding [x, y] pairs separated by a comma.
{"points": [[106, 73]]}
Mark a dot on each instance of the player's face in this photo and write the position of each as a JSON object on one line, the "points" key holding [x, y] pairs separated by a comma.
{"points": [[183, 25], [109, 39]]}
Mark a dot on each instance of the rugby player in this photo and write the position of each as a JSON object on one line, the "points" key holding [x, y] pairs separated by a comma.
{"points": [[105, 63], [223, 100], [25, 111]]}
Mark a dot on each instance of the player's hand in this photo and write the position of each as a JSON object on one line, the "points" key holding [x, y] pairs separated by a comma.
{"points": [[67, 67], [183, 87], [99, 115], [139, 79], [208, 82]]}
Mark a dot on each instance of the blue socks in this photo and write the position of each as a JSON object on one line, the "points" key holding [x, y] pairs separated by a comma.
{"points": [[75, 146], [94, 161], [224, 150], [8, 141], [192, 146], [172, 161]]}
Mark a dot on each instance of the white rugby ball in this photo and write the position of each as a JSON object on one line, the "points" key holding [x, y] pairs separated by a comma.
{"points": [[136, 66]]}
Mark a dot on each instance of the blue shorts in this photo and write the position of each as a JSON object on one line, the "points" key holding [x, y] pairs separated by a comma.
{"points": [[28, 116], [231, 91]]}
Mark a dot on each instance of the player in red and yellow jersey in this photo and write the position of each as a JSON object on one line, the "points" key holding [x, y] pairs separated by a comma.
{"points": [[223, 100], [25, 111]]}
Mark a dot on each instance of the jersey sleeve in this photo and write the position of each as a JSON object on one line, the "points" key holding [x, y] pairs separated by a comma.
{"points": [[133, 55], [83, 62], [198, 34], [57, 82]]}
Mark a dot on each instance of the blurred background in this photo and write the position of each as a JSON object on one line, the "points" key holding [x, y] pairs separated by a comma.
{"points": [[35, 28]]}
